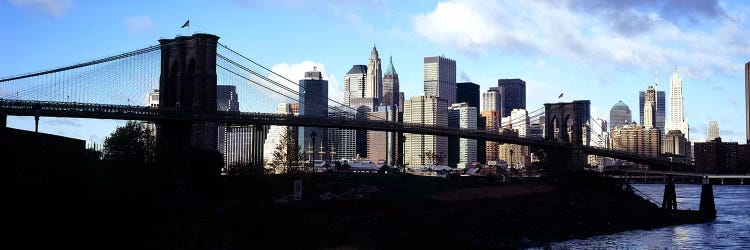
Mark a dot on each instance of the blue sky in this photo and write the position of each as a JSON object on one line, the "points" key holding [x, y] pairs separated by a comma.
{"points": [[603, 51]]}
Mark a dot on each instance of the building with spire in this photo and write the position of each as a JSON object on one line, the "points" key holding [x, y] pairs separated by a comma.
{"points": [[374, 81], [713, 131], [677, 119], [649, 108], [390, 85]]}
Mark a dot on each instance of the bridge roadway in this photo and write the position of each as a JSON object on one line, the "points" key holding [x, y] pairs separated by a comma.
{"points": [[145, 113], [679, 173]]}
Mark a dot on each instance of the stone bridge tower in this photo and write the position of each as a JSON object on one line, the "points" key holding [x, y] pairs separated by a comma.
{"points": [[186, 144]]}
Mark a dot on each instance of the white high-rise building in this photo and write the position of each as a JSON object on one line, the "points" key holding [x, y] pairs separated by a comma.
{"points": [[152, 100], [649, 108], [343, 142], [517, 121], [440, 78], [677, 119], [491, 101], [354, 83], [466, 118], [713, 131], [275, 133], [421, 150], [374, 86]]}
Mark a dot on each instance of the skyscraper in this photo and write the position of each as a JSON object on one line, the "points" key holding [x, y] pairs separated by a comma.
{"points": [[342, 142], [649, 108], [661, 108], [513, 95], [390, 85], [461, 115], [491, 100], [420, 150], [381, 144], [619, 115], [354, 83], [275, 133], [374, 86], [313, 101], [440, 78], [713, 131], [152, 100], [518, 120], [226, 100], [676, 108], [468, 92], [492, 124]]}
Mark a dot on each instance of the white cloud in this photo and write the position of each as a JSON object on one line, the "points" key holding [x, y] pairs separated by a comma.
{"points": [[52, 7], [138, 24], [296, 72], [596, 38]]}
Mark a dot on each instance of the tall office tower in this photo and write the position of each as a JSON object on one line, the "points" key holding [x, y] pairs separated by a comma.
{"points": [[636, 139], [401, 102], [227, 100], [390, 85], [518, 121], [468, 92], [342, 142], [713, 131], [661, 108], [599, 138], [619, 115], [374, 86], [676, 109], [152, 100], [675, 143], [649, 108], [420, 150], [275, 133], [363, 107], [492, 125], [747, 102], [313, 101], [244, 146], [491, 100], [440, 78], [513, 94], [599, 134], [381, 145], [463, 152], [354, 83]]}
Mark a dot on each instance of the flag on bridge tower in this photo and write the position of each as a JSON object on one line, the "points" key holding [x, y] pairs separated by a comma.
{"points": [[187, 24]]}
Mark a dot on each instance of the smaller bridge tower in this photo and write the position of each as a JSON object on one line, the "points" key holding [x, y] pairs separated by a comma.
{"points": [[565, 122]]}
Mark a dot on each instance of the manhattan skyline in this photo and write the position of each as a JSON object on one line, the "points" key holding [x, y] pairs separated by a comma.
{"points": [[593, 55]]}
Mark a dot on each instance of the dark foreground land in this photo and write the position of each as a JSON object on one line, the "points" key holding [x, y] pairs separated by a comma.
{"points": [[120, 208]]}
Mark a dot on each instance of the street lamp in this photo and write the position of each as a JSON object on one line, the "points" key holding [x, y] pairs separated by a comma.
{"points": [[511, 161], [313, 135]]}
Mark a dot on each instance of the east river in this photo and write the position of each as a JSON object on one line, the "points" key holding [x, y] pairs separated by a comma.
{"points": [[730, 230]]}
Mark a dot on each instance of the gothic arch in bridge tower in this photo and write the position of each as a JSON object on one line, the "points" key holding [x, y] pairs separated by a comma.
{"points": [[566, 117]]}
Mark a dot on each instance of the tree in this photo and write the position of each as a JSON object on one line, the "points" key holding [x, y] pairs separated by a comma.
{"points": [[131, 143], [433, 159], [286, 158]]}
